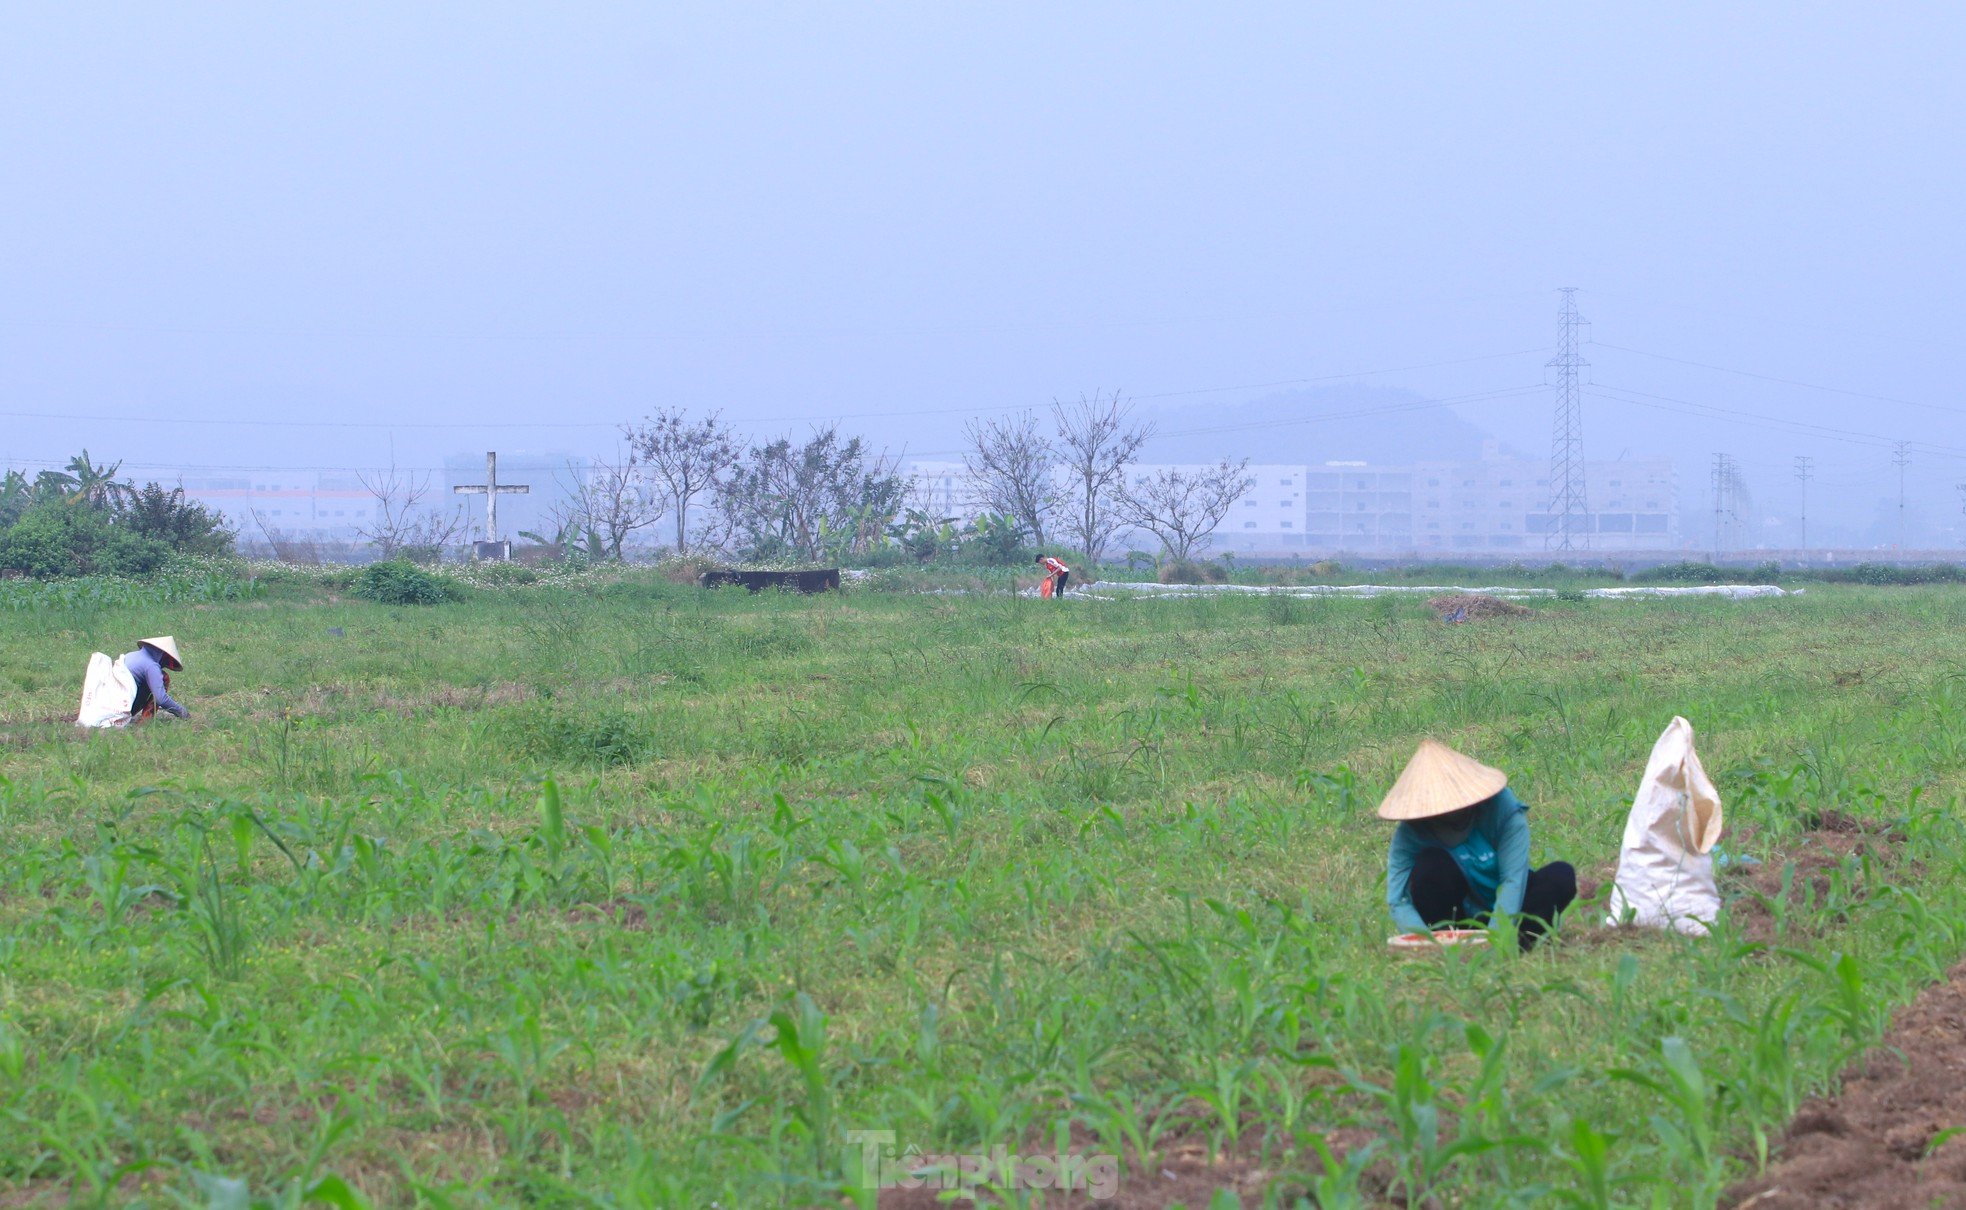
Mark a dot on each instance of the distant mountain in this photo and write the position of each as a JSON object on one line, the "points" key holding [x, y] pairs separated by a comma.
{"points": [[1371, 424]]}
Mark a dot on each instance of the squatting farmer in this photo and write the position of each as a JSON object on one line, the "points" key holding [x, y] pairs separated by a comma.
{"points": [[1461, 852], [1059, 574], [132, 687]]}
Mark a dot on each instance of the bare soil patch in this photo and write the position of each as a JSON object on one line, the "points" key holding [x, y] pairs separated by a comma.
{"points": [[1868, 1145], [1474, 607], [1752, 892]]}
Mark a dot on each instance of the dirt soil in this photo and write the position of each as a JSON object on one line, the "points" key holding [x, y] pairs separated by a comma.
{"points": [[1474, 606], [1835, 839], [1866, 1146]]}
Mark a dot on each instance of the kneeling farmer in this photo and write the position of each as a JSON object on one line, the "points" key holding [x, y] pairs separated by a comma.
{"points": [[130, 688], [1461, 851]]}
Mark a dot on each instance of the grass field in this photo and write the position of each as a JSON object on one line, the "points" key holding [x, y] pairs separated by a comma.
{"points": [[635, 895]]}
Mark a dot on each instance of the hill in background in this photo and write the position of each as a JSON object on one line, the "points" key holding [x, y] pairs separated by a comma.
{"points": [[1370, 424]]}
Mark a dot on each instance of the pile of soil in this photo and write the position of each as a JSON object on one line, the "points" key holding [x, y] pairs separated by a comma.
{"points": [[1473, 606], [1866, 1146]]}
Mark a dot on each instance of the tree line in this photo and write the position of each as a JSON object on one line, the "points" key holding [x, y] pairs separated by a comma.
{"points": [[1067, 480], [87, 519]]}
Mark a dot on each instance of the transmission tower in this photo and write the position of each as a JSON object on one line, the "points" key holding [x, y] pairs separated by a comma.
{"points": [[1570, 516], [1723, 484], [1901, 458], [1961, 488], [1804, 470]]}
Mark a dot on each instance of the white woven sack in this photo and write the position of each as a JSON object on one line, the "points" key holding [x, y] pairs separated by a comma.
{"points": [[108, 692], [1665, 875]]}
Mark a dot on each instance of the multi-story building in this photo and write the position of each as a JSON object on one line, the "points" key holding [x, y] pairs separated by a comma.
{"points": [[324, 506], [1494, 504]]}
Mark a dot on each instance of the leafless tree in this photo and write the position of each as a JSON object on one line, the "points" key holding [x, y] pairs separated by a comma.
{"points": [[1183, 507], [685, 457], [1097, 439], [286, 546], [611, 500], [399, 525], [1013, 471]]}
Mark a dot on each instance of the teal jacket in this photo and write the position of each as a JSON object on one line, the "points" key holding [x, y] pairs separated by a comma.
{"points": [[1494, 857]]}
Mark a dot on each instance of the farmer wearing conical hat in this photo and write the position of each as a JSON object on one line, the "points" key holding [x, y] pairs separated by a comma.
{"points": [[1461, 851], [151, 665]]}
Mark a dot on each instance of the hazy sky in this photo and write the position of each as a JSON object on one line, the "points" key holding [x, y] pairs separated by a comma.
{"points": [[480, 215]]}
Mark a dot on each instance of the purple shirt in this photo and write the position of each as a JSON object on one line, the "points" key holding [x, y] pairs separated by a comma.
{"points": [[149, 673]]}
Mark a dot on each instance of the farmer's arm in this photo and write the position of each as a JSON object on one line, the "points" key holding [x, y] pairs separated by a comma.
{"points": [[1399, 871], [153, 678], [1512, 860]]}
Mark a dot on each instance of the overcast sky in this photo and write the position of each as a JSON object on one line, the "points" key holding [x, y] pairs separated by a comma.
{"points": [[477, 215]]}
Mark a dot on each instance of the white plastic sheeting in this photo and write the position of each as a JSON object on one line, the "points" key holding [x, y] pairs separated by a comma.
{"points": [[1111, 590]]}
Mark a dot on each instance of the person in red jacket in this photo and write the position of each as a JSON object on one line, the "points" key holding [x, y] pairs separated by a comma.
{"points": [[1059, 573]]}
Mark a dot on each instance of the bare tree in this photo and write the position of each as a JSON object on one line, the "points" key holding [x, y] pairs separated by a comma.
{"points": [[685, 457], [1013, 471], [286, 546], [611, 500], [399, 525], [1097, 439], [1183, 507], [824, 498]]}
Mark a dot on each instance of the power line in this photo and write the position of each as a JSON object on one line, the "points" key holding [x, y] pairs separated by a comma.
{"points": [[1389, 410], [1758, 419], [1789, 382], [1497, 394], [613, 424]]}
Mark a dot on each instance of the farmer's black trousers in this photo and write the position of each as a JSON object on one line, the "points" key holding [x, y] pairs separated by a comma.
{"points": [[1437, 887], [1058, 583]]}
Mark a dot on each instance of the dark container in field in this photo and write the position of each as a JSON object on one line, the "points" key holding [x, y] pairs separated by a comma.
{"points": [[827, 580]]}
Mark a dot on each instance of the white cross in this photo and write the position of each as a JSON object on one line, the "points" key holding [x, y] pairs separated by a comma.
{"points": [[491, 489]]}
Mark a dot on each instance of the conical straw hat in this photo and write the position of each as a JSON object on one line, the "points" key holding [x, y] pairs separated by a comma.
{"points": [[1437, 781], [167, 645]]}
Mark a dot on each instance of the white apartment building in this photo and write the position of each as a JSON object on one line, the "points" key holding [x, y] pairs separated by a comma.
{"points": [[1494, 504], [304, 504]]}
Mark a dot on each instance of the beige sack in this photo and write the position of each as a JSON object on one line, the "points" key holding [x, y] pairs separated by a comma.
{"points": [[108, 692], [1665, 873]]}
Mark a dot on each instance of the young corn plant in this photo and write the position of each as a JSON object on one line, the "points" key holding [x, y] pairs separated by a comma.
{"points": [[1689, 1133]]}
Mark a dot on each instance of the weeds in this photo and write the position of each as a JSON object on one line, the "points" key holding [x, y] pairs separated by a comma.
{"points": [[1111, 872]]}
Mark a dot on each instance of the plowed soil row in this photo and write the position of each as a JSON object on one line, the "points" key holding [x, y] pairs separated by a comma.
{"points": [[1872, 1144]]}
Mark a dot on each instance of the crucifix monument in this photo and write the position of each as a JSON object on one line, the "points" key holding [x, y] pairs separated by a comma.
{"points": [[490, 489]]}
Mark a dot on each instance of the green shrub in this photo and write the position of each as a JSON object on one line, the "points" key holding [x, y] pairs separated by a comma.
{"points": [[1687, 572], [51, 540], [552, 734], [400, 582], [501, 574], [1893, 574]]}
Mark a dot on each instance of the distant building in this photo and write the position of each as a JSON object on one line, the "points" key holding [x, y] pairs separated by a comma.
{"points": [[335, 506], [331, 507], [1495, 504]]}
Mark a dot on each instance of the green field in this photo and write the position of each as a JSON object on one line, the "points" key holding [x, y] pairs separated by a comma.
{"points": [[627, 894]]}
